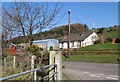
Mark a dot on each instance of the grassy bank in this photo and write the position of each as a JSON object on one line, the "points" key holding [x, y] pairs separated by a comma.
{"points": [[105, 46], [111, 57], [93, 58]]}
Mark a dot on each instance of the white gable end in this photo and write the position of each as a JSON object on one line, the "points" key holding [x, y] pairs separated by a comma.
{"points": [[90, 40]]}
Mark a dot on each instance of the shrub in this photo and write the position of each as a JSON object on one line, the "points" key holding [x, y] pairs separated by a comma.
{"points": [[34, 50], [41, 55]]}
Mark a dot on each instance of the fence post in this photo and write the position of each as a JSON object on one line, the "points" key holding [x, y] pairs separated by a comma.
{"points": [[14, 62], [32, 62], [5, 63], [58, 61]]}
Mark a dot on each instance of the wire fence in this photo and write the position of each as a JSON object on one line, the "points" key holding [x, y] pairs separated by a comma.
{"points": [[22, 63], [54, 74]]}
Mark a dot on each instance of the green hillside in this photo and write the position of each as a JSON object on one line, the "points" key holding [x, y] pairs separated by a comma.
{"points": [[110, 32], [57, 32], [105, 46]]}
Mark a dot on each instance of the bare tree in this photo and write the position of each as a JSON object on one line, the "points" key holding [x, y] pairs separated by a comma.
{"points": [[7, 28], [26, 19]]}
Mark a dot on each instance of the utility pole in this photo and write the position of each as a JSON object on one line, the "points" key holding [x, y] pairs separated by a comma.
{"points": [[68, 34]]}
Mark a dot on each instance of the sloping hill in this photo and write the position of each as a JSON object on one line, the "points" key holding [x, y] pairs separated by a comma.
{"points": [[57, 32], [74, 28]]}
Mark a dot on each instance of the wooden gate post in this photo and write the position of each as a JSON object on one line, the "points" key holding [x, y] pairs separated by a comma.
{"points": [[56, 58], [58, 61]]}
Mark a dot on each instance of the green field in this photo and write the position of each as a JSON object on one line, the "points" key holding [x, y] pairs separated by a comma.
{"points": [[112, 34], [101, 58], [107, 46]]}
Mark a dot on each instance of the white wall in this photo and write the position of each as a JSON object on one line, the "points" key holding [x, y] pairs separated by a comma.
{"points": [[65, 45], [76, 44], [90, 40]]}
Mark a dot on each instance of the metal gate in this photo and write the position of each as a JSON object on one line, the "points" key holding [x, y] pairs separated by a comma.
{"points": [[55, 74]]}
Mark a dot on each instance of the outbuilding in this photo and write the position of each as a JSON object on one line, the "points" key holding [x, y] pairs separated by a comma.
{"points": [[47, 43]]}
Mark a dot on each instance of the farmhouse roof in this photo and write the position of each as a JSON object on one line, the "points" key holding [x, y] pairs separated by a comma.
{"points": [[77, 37]]}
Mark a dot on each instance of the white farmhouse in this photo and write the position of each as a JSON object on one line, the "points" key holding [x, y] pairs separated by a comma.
{"points": [[79, 40]]}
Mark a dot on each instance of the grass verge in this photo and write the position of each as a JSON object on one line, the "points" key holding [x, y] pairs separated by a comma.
{"points": [[93, 58]]}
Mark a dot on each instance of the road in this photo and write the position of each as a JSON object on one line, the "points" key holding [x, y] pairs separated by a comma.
{"points": [[91, 71]]}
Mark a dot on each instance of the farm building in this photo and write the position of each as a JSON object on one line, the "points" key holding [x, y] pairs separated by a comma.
{"points": [[79, 40], [47, 43]]}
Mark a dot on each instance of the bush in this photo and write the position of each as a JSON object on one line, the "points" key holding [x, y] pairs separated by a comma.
{"points": [[39, 53], [35, 50]]}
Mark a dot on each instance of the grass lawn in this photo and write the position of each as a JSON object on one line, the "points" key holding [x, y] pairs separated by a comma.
{"points": [[94, 58]]}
